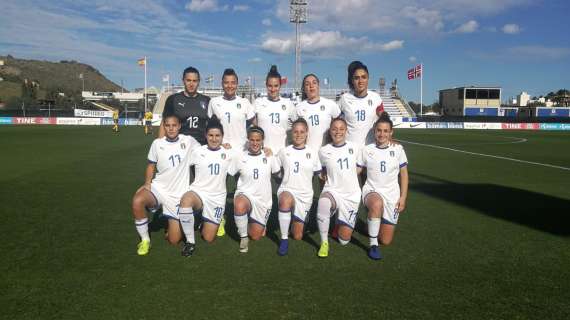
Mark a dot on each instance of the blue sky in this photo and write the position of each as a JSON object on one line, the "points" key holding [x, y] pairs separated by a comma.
{"points": [[516, 44]]}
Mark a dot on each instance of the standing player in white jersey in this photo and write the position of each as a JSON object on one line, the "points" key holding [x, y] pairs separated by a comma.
{"points": [[274, 114], [341, 193], [384, 197], [233, 111], [168, 156], [253, 194], [207, 192], [360, 107], [318, 111], [299, 162]]}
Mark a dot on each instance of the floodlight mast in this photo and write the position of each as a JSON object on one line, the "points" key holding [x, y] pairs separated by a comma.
{"points": [[298, 15]]}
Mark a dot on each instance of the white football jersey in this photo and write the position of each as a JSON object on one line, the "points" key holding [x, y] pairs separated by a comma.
{"points": [[255, 176], [360, 115], [382, 168], [299, 166], [318, 116], [233, 115], [171, 159], [340, 163], [275, 118], [212, 167]]}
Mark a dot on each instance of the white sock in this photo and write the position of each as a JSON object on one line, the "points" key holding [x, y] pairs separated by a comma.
{"points": [[284, 223], [142, 228], [241, 224], [324, 218], [373, 230], [186, 216]]}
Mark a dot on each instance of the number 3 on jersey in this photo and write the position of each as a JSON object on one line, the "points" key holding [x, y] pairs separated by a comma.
{"points": [[173, 157]]}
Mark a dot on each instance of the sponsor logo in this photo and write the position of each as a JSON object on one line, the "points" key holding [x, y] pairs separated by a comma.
{"points": [[203, 105], [181, 104], [415, 125], [396, 124]]}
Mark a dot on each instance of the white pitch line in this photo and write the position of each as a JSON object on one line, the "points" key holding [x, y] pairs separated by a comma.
{"points": [[487, 155]]}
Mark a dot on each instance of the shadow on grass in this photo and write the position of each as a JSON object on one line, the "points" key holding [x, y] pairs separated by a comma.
{"points": [[535, 210]]}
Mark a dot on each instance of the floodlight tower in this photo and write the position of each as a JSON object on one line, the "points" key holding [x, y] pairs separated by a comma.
{"points": [[298, 15]]}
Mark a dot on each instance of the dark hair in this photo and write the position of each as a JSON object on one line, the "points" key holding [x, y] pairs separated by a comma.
{"points": [[338, 119], [300, 121], [273, 73], [255, 129], [190, 70], [214, 123], [229, 72], [384, 118], [352, 67], [303, 93], [171, 115]]}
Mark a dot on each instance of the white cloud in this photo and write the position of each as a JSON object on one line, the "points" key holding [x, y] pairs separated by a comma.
{"points": [[538, 52], [241, 7], [266, 22], [205, 6], [468, 27], [255, 60], [412, 59], [411, 16], [327, 43], [511, 28]]}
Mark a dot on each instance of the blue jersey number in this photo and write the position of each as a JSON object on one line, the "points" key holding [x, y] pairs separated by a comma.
{"points": [[275, 118], [382, 166], [173, 159], [296, 169], [214, 168], [218, 211], [314, 120], [343, 163], [255, 174], [228, 115], [360, 115]]}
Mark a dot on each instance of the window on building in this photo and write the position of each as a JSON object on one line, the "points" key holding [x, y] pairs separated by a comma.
{"points": [[470, 94], [495, 94], [482, 94]]}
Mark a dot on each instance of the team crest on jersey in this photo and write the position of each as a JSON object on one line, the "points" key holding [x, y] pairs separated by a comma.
{"points": [[264, 160], [239, 105], [203, 105], [350, 151], [283, 107], [370, 102], [322, 107], [182, 146], [223, 156], [308, 155], [392, 153]]}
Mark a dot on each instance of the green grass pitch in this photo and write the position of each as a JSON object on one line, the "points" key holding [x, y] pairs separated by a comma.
{"points": [[481, 238]]}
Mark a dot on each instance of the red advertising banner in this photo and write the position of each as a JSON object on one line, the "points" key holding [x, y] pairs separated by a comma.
{"points": [[36, 120], [520, 126]]}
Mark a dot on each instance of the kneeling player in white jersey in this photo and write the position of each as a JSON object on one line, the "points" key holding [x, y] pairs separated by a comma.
{"points": [[341, 193], [360, 107], [207, 192], [382, 195], [253, 193], [317, 110], [168, 157], [273, 114], [299, 162]]}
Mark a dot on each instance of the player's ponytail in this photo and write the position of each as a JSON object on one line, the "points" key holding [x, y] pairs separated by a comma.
{"points": [[384, 118], [273, 73]]}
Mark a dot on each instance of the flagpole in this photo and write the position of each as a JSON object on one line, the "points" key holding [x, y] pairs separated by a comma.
{"points": [[145, 99], [422, 89]]}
